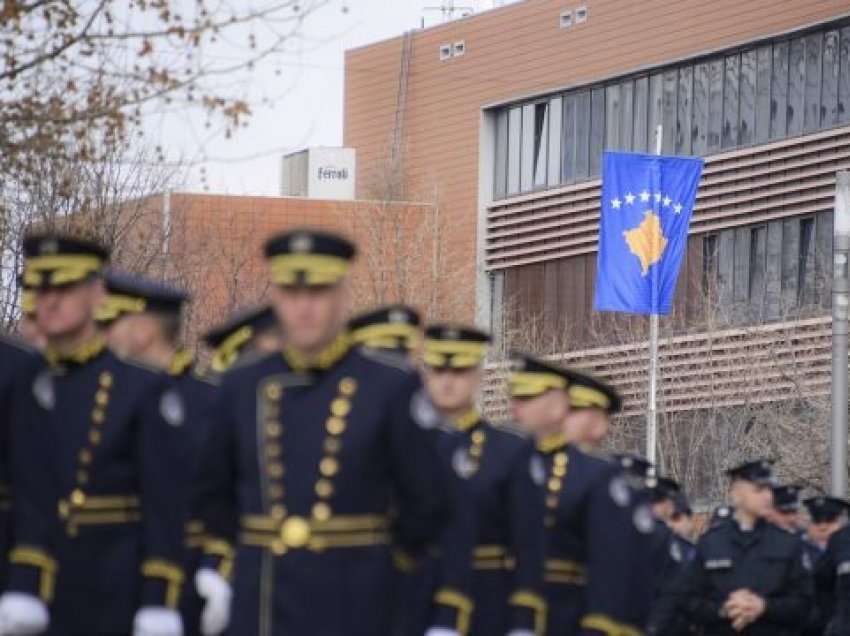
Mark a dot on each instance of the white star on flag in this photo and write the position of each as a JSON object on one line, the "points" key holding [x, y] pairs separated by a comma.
{"points": [[657, 197], [616, 204], [677, 208], [667, 201], [630, 198], [644, 196]]}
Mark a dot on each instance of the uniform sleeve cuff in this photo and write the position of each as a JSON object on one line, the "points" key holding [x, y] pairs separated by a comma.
{"points": [[218, 556], [529, 610], [33, 571], [453, 609], [608, 626], [163, 581]]}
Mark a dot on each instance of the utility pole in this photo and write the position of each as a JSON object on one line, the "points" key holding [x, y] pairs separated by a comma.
{"points": [[840, 301]]}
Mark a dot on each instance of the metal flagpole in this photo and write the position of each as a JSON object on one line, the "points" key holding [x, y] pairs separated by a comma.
{"points": [[840, 293], [651, 412]]}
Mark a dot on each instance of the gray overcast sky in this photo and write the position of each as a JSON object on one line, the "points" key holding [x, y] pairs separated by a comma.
{"points": [[307, 97]]}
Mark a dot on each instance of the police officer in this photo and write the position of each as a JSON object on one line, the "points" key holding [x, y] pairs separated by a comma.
{"points": [[96, 453], [145, 325], [249, 334], [827, 515], [500, 468], [682, 520], [308, 450], [786, 508], [596, 561], [393, 328], [749, 576]]}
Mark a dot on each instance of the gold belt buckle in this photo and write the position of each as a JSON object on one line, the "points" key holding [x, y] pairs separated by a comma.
{"points": [[294, 533]]}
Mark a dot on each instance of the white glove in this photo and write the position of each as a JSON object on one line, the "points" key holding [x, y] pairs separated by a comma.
{"points": [[157, 621], [22, 615], [520, 632], [216, 592], [441, 631]]}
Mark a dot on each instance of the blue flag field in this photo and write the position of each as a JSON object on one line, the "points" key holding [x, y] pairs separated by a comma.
{"points": [[647, 201]]}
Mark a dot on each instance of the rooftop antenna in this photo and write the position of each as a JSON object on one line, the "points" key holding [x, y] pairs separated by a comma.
{"points": [[448, 9]]}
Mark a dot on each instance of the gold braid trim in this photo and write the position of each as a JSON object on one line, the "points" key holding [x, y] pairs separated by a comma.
{"points": [[534, 602], [460, 602], [173, 575], [37, 558], [608, 626]]}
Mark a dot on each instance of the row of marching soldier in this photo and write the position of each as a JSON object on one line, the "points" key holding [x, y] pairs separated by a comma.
{"points": [[332, 477]]}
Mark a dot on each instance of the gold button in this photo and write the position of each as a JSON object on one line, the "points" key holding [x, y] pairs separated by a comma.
{"points": [[335, 426], [277, 511], [328, 466], [347, 386], [272, 451], [97, 416], [276, 470], [552, 501], [340, 407], [274, 391], [475, 451], [559, 471], [555, 484], [295, 532], [333, 445], [105, 379], [85, 457], [478, 437], [64, 509], [273, 429], [321, 511], [561, 459], [101, 398], [95, 437], [78, 497], [82, 477], [276, 492], [324, 488], [278, 548]]}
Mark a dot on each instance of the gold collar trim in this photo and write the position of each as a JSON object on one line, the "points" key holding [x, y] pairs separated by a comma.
{"points": [[181, 362], [81, 355], [467, 421], [324, 360], [551, 443]]}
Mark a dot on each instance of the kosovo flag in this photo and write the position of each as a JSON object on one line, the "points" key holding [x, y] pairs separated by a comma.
{"points": [[647, 202]]}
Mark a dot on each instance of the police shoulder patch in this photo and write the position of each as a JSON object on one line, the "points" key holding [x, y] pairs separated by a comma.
{"points": [[807, 561], [43, 390], [171, 408], [843, 568], [462, 463], [422, 410], [643, 519], [676, 552], [619, 491]]}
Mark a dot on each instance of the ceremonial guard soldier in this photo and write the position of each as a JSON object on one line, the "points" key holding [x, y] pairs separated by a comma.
{"points": [[391, 328], [504, 479], [323, 453], [145, 325], [97, 452], [245, 337], [749, 576], [597, 563]]}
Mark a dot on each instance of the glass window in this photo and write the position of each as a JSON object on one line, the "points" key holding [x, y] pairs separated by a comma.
{"points": [[583, 135], [683, 119], [811, 120], [699, 126], [669, 97], [844, 77], [763, 73], [715, 103], [541, 138], [747, 106], [597, 129], [571, 144], [555, 112], [627, 114], [829, 94], [639, 143], [514, 134], [796, 87], [731, 114], [779, 91], [612, 117], [527, 152], [501, 175], [656, 109]]}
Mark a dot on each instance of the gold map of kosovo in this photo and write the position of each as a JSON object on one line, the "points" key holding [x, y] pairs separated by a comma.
{"points": [[647, 241]]}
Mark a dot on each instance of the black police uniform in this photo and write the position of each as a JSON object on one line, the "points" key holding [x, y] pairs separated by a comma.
{"points": [[98, 450], [831, 565], [671, 554], [310, 459], [766, 560], [598, 560], [18, 362]]}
